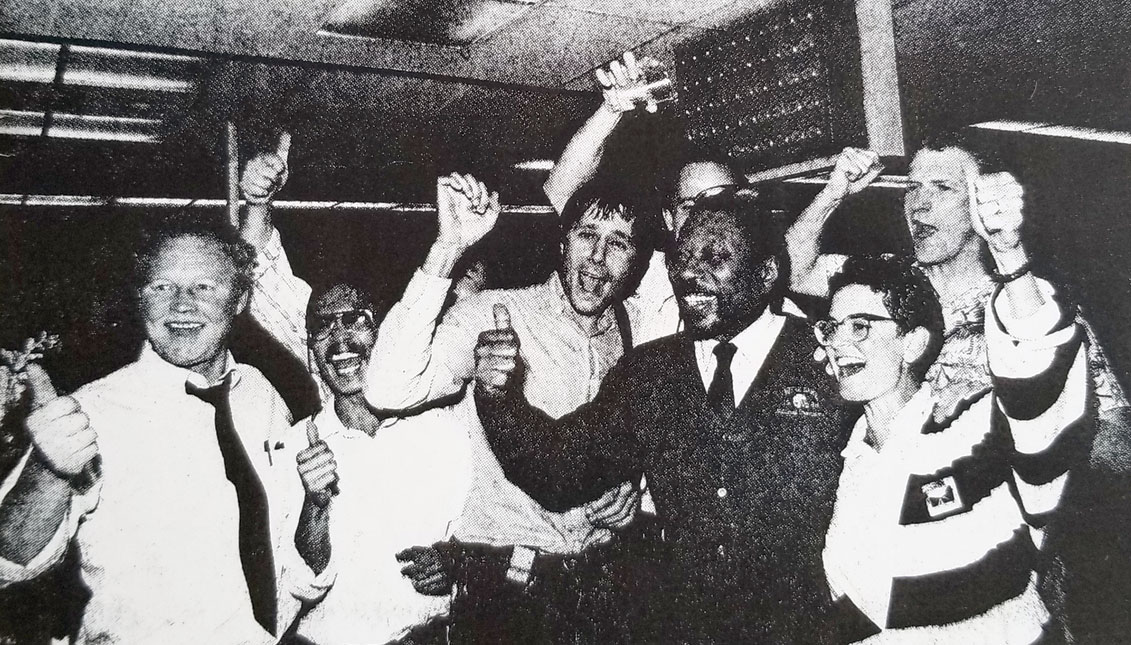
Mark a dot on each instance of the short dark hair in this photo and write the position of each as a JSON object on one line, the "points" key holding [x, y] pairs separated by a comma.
{"points": [[907, 293], [204, 226], [348, 293], [607, 199], [762, 229]]}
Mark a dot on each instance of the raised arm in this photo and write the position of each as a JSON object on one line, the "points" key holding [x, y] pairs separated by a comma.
{"points": [[416, 360], [1037, 357], [37, 513], [279, 297], [561, 463], [854, 170], [582, 155]]}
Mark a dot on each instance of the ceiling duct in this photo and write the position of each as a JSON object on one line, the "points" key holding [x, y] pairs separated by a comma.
{"points": [[456, 23]]}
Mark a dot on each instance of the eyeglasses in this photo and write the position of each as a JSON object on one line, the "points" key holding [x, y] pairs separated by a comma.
{"points": [[721, 192], [349, 320], [858, 326]]}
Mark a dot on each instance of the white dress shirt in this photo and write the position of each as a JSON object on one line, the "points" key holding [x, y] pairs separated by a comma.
{"points": [[418, 359], [655, 301], [752, 345], [400, 488], [159, 532]]}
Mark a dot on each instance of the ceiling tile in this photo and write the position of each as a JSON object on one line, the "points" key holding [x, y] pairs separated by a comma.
{"points": [[553, 45], [669, 11]]}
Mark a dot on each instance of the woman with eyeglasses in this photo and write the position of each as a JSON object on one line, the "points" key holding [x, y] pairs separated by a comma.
{"points": [[937, 526]]}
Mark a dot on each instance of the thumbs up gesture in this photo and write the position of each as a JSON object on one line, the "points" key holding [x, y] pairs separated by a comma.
{"points": [[497, 361], [265, 173], [58, 428], [317, 468]]}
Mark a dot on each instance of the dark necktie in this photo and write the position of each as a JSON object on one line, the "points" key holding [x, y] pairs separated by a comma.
{"points": [[255, 529], [720, 396]]}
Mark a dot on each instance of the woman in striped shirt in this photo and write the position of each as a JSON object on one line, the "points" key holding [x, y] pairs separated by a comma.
{"points": [[937, 528]]}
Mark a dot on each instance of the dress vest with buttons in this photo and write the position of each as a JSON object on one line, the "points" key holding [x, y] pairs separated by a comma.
{"points": [[746, 498]]}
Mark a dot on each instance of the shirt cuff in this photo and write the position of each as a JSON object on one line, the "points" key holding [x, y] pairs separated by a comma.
{"points": [[424, 285], [1035, 326], [266, 257], [56, 547], [306, 585]]}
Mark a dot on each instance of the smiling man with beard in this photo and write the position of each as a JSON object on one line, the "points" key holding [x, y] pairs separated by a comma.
{"points": [[731, 422]]}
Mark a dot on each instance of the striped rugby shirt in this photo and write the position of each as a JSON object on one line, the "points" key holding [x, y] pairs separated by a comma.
{"points": [[935, 538]]}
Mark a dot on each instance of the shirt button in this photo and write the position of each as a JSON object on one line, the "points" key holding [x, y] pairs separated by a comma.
{"points": [[722, 492]]}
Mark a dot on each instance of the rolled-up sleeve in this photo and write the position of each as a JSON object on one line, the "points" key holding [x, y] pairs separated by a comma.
{"points": [[56, 547], [417, 359], [298, 584], [279, 298]]}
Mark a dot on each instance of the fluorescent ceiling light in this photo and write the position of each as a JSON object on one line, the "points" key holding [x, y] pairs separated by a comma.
{"points": [[79, 126], [134, 54], [17, 123], [24, 61], [1008, 126], [1060, 131], [103, 128], [96, 78], [535, 164], [36, 62]]}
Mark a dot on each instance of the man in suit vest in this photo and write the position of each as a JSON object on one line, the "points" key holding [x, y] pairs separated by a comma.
{"points": [[731, 421]]}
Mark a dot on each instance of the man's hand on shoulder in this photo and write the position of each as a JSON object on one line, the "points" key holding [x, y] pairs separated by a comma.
{"points": [[429, 568]]}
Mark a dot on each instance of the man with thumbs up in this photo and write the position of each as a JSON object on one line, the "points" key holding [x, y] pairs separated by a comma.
{"points": [[392, 485], [185, 515], [575, 327]]}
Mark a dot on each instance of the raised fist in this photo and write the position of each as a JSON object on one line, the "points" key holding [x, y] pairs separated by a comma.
{"points": [[855, 168], [996, 201], [465, 209], [625, 85]]}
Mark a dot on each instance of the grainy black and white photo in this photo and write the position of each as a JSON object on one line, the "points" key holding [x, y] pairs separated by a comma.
{"points": [[565, 322]]}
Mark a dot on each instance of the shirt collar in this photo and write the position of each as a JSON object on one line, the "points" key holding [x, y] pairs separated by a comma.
{"points": [[329, 425], [165, 372], [746, 339], [558, 294], [908, 422]]}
